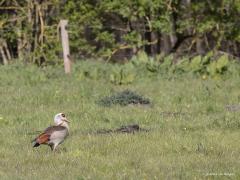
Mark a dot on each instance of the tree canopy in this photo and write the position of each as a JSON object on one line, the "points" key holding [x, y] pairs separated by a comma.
{"points": [[118, 29]]}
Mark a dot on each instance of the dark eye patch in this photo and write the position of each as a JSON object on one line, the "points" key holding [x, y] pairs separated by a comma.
{"points": [[63, 115]]}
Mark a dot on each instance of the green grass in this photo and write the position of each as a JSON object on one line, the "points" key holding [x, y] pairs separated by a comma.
{"points": [[192, 135]]}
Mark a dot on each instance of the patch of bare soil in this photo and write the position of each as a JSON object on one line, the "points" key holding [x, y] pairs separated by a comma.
{"points": [[123, 129]]}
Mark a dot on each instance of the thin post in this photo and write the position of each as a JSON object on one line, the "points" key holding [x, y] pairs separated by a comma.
{"points": [[5, 61], [65, 45]]}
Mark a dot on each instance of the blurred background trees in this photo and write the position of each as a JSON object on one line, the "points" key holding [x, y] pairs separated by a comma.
{"points": [[117, 29]]}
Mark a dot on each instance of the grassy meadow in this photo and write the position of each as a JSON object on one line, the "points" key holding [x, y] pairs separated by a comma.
{"points": [[193, 122]]}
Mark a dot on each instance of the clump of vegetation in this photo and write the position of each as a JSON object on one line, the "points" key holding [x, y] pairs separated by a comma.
{"points": [[123, 74], [211, 66], [124, 98]]}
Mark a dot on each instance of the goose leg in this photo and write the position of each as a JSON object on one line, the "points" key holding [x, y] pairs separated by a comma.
{"points": [[51, 146], [54, 147]]}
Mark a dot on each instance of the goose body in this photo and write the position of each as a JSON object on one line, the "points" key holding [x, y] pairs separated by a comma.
{"points": [[54, 135]]}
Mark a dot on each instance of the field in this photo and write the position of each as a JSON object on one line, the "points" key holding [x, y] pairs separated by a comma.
{"points": [[193, 127]]}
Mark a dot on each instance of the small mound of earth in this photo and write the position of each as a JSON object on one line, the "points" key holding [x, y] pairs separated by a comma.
{"points": [[123, 129], [124, 98], [233, 107]]}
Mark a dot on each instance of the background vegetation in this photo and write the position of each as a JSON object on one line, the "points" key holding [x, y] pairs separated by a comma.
{"points": [[117, 30]]}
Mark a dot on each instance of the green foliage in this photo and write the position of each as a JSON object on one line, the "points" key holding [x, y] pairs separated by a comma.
{"points": [[152, 65], [90, 71], [140, 58], [196, 64], [116, 74], [167, 64], [104, 28], [134, 39], [209, 66], [122, 74], [218, 67], [124, 98]]}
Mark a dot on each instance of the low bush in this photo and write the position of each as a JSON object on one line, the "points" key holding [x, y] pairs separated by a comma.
{"points": [[123, 98]]}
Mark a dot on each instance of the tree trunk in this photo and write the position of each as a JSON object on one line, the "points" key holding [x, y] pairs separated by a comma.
{"points": [[19, 41], [27, 37], [200, 46], [166, 44], [148, 47], [5, 46]]}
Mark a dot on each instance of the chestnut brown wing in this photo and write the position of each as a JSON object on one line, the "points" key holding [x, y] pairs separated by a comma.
{"points": [[43, 138]]}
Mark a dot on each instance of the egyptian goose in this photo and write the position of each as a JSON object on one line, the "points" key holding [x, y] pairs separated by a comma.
{"points": [[54, 135]]}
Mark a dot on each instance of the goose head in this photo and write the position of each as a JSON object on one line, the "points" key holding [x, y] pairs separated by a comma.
{"points": [[61, 120]]}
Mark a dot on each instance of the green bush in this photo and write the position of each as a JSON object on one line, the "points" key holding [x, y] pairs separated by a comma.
{"points": [[209, 66], [123, 98], [123, 74]]}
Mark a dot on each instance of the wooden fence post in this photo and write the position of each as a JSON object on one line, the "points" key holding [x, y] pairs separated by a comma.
{"points": [[65, 45]]}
